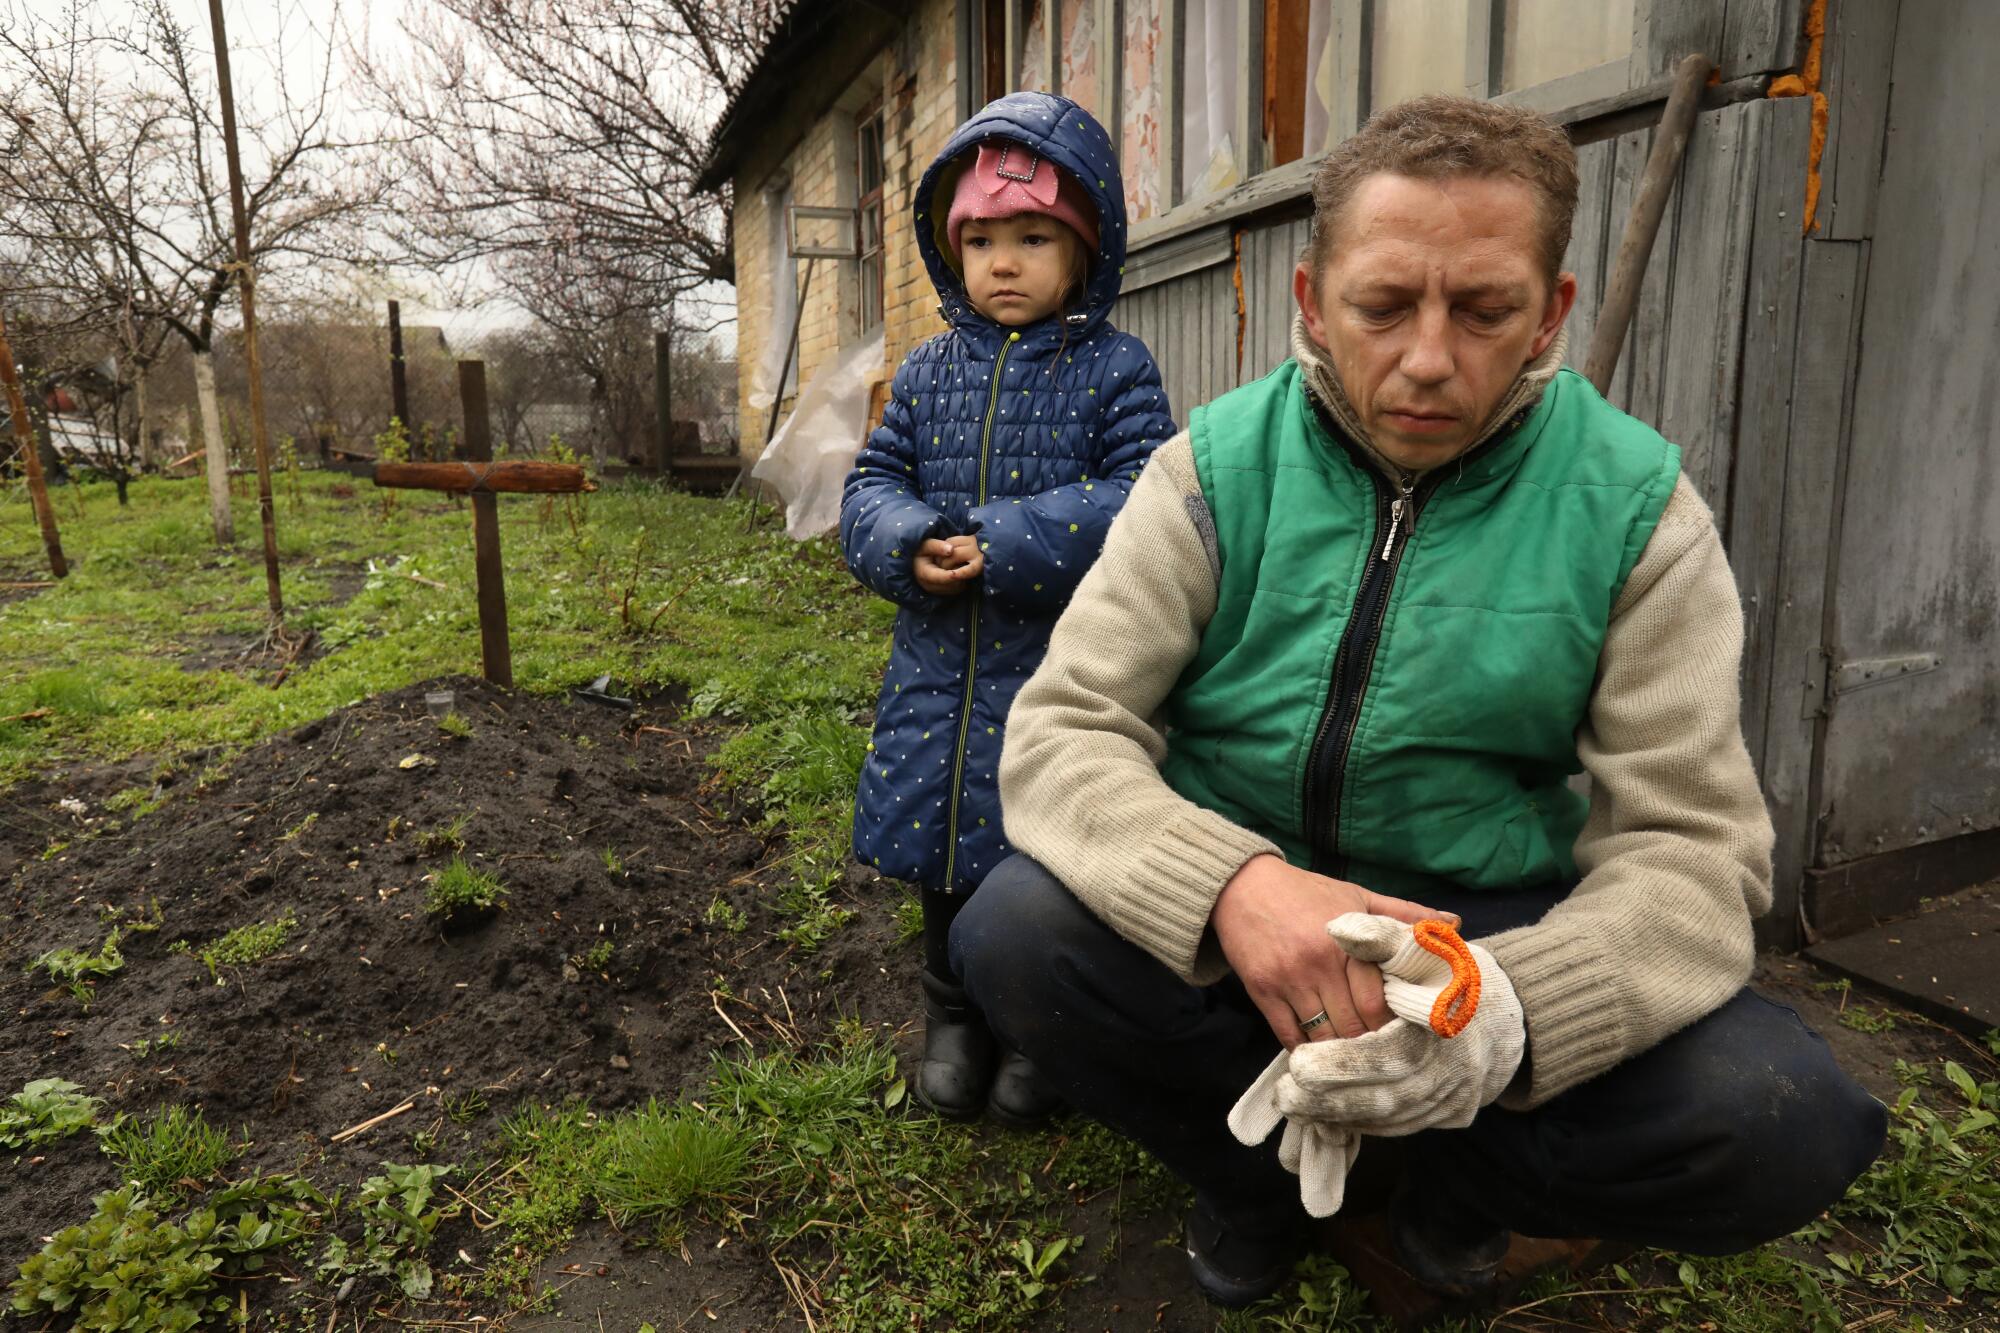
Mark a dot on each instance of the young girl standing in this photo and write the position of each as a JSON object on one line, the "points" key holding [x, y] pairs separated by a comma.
{"points": [[1008, 445]]}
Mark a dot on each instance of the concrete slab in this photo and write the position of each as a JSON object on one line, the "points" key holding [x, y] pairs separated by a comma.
{"points": [[1943, 963]]}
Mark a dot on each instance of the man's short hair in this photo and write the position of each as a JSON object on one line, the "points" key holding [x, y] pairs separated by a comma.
{"points": [[1437, 136]]}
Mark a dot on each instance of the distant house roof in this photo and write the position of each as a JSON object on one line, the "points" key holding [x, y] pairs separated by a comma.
{"points": [[802, 38]]}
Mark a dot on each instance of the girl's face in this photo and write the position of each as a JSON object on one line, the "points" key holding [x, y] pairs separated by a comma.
{"points": [[1020, 269]]}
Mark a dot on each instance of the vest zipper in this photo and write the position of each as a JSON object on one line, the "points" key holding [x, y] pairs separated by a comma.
{"points": [[972, 652], [1326, 761]]}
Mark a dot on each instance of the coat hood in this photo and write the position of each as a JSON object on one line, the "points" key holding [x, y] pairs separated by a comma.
{"points": [[1065, 134]]}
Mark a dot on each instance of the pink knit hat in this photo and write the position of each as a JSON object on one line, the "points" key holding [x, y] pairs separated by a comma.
{"points": [[1009, 179]]}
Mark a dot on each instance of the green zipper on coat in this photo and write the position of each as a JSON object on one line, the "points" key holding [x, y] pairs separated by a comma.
{"points": [[972, 656]]}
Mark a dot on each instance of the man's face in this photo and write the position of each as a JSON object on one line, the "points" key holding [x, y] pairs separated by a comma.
{"points": [[1018, 269], [1432, 300]]}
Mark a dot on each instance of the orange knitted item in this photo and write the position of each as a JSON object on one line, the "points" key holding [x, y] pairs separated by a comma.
{"points": [[1459, 1001]]}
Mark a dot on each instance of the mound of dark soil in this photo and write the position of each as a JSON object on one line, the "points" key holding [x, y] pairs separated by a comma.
{"points": [[611, 983]]}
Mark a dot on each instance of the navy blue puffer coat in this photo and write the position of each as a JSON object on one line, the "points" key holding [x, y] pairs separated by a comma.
{"points": [[1028, 438]]}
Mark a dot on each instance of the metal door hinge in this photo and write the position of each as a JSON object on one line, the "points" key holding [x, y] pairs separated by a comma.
{"points": [[1862, 672]]}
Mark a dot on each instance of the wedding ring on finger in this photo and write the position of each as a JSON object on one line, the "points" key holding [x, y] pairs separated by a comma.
{"points": [[1307, 1025]]}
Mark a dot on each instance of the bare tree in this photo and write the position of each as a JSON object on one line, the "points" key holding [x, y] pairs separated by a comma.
{"points": [[115, 186], [568, 135]]}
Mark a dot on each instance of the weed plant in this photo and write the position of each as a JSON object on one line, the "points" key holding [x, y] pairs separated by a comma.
{"points": [[446, 837], [397, 1225], [76, 968], [45, 1110], [130, 1267], [248, 944], [169, 1151], [459, 894]]}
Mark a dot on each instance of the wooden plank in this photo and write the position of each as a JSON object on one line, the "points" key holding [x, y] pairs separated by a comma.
{"points": [[1756, 524], [518, 476], [1762, 36], [1858, 55], [1585, 256], [1830, 285], [1846, 898], [1180, 255], [1705, 304], [1628, 163], [1678, 28], [1248, 119]]}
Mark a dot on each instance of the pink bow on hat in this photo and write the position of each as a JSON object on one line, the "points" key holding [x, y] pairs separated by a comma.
{"points": [[1008, 179]]}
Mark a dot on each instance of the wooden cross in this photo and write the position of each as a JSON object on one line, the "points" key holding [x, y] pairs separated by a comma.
{"points": [[482, 479]]}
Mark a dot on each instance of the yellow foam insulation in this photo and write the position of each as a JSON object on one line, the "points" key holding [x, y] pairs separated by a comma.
{"points": [[1806, 84]]}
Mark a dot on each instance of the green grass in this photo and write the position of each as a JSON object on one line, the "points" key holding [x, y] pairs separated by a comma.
{"points": [[657, 1159], [167, 1148], [754, 626], [459, 893], [247, 944]]}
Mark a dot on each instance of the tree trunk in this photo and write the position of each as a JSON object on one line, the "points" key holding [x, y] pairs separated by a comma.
{"points": [[145, 450], [218, 451]]}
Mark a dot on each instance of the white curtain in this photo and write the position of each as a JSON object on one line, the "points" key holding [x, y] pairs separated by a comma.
{"points": [[1208, 99]]}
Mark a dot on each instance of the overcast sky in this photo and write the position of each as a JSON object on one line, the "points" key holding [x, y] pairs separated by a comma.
{"points": [[279, 43]]}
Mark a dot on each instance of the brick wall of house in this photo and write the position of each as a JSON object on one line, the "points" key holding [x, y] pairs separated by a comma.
{"points": [[915, 76]]}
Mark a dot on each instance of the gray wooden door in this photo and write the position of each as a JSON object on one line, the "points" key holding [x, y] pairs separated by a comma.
{"points": [[1912, 742]]}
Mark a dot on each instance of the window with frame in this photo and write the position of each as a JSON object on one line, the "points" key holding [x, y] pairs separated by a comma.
{"points": [[1201, 94], [868, 215]]}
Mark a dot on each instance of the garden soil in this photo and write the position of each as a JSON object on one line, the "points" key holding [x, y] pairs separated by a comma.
{"points": [[369, 1003]]}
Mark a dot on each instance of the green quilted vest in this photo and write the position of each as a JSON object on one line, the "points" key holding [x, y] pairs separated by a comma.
{"points": [[1391, 684]]}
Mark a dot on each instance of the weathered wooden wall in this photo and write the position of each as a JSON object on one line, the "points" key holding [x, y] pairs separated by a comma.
{"points": [[1914, 758]]}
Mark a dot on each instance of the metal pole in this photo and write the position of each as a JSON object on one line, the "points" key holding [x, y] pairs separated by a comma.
{"points": [[1621, 295], [259, 437], [399, 384], [496, 657], [24, 436]]}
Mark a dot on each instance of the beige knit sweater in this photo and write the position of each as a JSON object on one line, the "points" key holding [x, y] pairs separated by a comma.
{"points": [[1674, 857]]}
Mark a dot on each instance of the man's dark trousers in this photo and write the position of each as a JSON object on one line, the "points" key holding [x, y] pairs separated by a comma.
{"points": [[1738, 1129]]}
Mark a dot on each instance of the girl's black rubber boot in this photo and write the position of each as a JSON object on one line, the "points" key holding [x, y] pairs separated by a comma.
{"points": [[959, 1052]]}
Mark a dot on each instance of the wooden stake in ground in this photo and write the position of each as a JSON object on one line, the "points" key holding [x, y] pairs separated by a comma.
{"points": [[24, 435], [484, 480], [259, 437]]}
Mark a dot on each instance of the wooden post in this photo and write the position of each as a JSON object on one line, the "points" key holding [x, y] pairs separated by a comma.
{"points": [[259, 437], [1621, 295], [483, 480], [31, 458], [494, 652], [663, 395], [399, 384]]}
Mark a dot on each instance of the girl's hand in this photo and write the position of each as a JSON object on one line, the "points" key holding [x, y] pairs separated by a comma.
{"points": [[944, 565]]}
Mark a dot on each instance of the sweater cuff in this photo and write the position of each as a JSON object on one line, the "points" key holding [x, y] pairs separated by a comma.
{"points": [[1175, 879], [1572, 998]]}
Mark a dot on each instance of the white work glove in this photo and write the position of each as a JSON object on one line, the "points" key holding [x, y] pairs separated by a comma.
{"points": [[1406, 1078], [1319, 1154], [1396, 1081]]}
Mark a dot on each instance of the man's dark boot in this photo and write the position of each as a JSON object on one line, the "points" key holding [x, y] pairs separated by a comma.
{"points": [[1446, 1252], [1021, 1097], [959, 1053], [1239, 1261]]}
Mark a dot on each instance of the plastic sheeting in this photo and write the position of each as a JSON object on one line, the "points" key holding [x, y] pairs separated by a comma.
{"points": [[809, 458]]}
